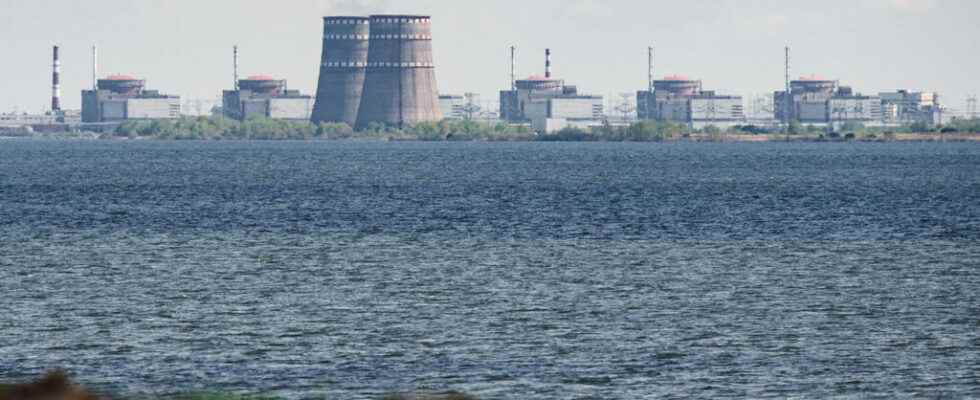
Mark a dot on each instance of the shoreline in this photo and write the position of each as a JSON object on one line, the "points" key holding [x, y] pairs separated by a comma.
{"points": [[689, 138]]}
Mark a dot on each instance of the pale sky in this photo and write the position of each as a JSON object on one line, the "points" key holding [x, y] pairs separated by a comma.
{"points": [[735, 46]]}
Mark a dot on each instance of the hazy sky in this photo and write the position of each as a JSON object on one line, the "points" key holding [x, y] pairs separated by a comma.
{"points": [[735, 46]]}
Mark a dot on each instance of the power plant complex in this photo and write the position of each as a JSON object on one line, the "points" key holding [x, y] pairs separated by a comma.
{"points": [[378, 72]]}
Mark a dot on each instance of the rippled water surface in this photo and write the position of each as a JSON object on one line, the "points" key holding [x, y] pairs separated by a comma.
{"points": [[513, 271]]}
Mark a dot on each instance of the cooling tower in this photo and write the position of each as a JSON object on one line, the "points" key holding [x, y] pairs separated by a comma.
{"points": [[342, 68], [400, 84]]}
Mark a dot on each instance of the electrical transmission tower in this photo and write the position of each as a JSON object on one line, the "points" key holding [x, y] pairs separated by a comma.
{"points": [[472, 107], [971, 107], [626, 106]]}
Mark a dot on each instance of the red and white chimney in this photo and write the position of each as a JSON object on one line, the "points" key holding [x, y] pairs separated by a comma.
{"points": [[56, 82], [547, 63]]}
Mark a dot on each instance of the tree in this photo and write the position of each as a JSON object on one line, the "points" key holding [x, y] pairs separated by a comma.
{"points": [[794, 127]]}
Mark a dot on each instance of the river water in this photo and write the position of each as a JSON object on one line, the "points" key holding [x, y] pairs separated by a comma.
{"points": [[512, 271]]}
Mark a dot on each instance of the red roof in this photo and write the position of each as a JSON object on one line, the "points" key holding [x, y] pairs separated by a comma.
{"points": [[676, 78], [812, 78], [120, 78], [260, 78]]}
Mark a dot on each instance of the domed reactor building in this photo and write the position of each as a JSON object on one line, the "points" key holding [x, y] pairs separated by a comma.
{"points": [[265, 96], [123, 97], [377, 71]]}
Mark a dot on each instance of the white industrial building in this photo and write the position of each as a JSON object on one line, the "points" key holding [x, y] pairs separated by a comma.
{"points": [[452, 106], [551, 114]]}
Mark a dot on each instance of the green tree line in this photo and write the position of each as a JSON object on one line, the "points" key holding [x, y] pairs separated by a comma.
{"points": [[218, 128]]}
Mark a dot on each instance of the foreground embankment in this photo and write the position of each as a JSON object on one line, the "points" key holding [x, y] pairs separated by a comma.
{"points": [[58, 385], [556, 137]]}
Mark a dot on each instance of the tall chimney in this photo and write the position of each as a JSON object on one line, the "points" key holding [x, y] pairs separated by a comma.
{"points": [[547, 63], [236, 66], [787, 98], [56, 82], [95, 68], [650, 77], [513, 68]]}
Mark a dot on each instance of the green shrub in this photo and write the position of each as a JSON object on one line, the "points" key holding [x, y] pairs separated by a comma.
{"points": [[452, 395]]}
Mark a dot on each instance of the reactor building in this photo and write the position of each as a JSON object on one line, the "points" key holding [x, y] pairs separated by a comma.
{"points": [[123, 97], [683, 100], [265, 96], [377, 71], [816, 100], [547, 102]]}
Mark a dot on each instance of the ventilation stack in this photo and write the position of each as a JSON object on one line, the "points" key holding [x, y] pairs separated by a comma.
{"points": [[95, 68], [342, 69], [56, 82], [650, 77], [547, 63], [235, 65], [400, 83]]}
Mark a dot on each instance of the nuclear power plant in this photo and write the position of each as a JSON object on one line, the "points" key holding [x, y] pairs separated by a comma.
{"points": [[377, 70]]}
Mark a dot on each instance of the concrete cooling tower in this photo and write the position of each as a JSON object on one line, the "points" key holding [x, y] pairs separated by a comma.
{"points": [[342, 69], [400, 83]]}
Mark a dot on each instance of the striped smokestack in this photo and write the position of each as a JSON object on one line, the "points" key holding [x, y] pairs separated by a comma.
{"points": [[547, 63], [56, 82]]}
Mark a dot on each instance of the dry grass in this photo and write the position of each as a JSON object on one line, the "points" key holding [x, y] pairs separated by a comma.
{"points": [[55, 385]]}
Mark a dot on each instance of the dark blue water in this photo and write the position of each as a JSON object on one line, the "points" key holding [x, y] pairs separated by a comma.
{"points": [[513, 271]]}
